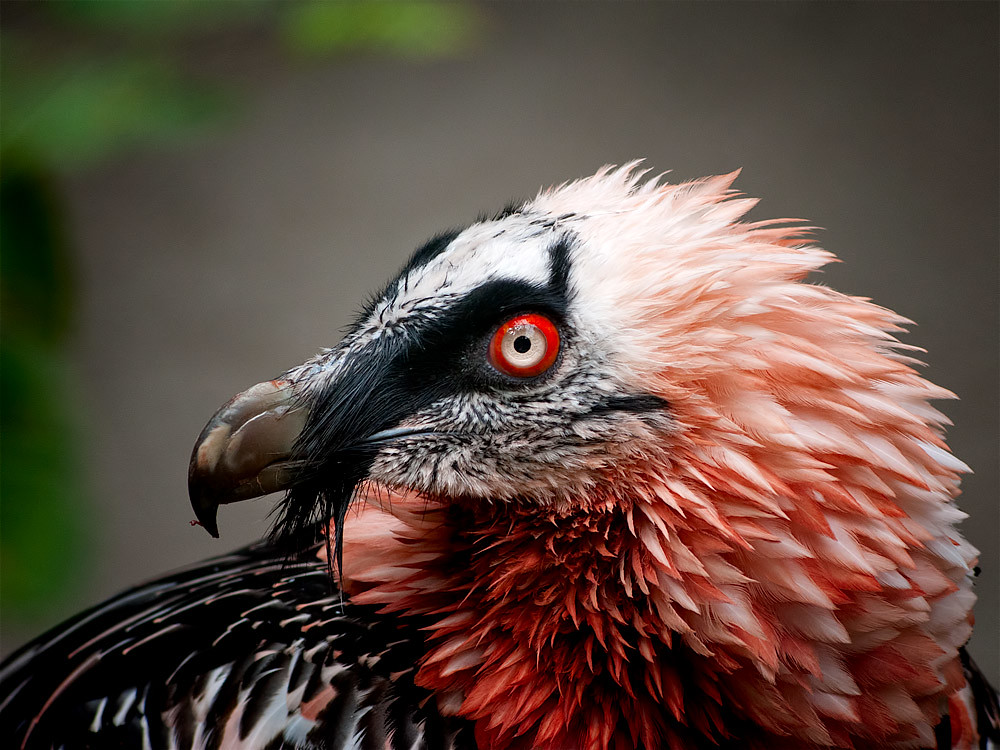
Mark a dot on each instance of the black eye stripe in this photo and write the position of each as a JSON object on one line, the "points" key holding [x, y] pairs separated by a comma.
{"points": [[440, 353], [559, 265], [451, 343], [639, 403], [486, 307]]}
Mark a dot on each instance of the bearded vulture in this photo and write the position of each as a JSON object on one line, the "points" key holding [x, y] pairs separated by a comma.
{"points": [[601, 471]]}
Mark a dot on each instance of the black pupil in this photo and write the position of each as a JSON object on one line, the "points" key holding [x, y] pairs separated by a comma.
{"points": [[522, 344]]}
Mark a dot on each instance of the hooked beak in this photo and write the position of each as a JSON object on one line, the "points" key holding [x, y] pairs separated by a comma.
{"points": [[245, 450], [315, 437]]}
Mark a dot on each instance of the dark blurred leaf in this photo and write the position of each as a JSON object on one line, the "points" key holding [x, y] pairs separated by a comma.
{"points": [[83, 111], [36, 281], [423, 29], [41, 513], [41, 516]]}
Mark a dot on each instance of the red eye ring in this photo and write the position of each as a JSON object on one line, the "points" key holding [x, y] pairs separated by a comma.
{"points": [[525, 346]]}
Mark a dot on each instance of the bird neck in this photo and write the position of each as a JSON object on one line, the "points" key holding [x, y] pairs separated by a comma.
{"points": [[549, 628], [657, 620]]}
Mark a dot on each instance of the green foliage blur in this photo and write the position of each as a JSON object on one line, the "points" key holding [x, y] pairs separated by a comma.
{"points": [[83, 82]]}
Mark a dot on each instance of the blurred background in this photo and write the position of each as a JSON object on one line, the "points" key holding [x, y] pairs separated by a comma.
{"points": [[197, 195]]}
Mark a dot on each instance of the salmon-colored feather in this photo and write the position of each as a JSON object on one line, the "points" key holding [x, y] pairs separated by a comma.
{"points": [[786, 557]]}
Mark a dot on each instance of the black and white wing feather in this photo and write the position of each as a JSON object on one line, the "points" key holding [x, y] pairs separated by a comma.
{"points": [[246, 650]]}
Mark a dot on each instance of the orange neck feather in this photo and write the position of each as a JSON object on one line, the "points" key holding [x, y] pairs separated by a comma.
{"points": [[547, 634], [615, 626]]}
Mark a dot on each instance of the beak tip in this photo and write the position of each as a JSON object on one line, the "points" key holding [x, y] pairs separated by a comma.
{"points": [[211, 527], [206, 511]]}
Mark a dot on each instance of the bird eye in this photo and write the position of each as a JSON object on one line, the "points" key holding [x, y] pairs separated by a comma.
{"points": [[525, 346]]}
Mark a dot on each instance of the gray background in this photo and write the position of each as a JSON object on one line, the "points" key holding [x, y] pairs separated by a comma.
{"points": [[217, 265]]}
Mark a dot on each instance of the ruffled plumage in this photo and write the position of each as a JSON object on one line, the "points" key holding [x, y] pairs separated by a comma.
{"points": [[744, 537]]}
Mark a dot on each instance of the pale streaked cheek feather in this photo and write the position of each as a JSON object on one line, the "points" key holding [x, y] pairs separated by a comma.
{"points": [[545, 447]]}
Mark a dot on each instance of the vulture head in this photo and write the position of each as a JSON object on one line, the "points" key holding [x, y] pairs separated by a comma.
{"points": [[650, 486]]}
